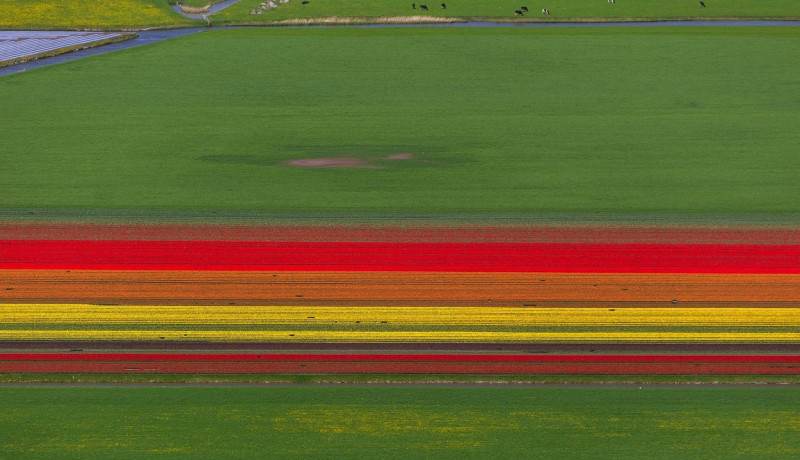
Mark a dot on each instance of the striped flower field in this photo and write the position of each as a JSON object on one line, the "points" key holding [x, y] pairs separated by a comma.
{"points": [[382, 299]]}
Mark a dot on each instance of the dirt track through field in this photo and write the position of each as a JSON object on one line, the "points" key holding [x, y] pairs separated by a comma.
{"points": [[174, 231], [393, 288], [147, 346]]}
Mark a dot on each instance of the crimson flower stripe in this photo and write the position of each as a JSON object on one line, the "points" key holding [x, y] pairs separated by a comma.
{"points": [[294, 357], [412, 367], [436, 257]]}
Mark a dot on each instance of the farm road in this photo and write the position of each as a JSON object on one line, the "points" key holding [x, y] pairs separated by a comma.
{"points": [[147, 37]]}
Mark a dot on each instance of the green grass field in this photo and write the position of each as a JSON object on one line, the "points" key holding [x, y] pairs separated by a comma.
{"points": [[504, 9], [89, 14], [498, 120], [381, 422], [141, 14], [393, 379]]}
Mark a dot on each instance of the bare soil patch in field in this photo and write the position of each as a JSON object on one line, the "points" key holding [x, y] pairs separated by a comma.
{"points": [[195, 9], [335, 162], [347, 162]]}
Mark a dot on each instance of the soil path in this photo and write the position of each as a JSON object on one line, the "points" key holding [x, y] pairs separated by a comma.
{"points": [[372, 367], [586, 349], [10, 230]]}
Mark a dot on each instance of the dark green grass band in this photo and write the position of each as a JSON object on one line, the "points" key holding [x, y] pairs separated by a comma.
{"points": [[405, 422], [171, 216]]}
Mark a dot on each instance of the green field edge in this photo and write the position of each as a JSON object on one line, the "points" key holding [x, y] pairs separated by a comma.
{"points": [[68, 49], [393, 379], [390, 20], [111, 216], [395, 20]]}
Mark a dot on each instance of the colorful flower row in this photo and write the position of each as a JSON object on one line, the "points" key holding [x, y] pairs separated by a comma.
{"points": [[340, 317], [370, 256], [398, 364], [398, 288], [404, 357]]}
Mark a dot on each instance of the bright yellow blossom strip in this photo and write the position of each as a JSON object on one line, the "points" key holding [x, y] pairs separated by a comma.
{"points": [[397, 316], [395, 324], [18, 14], [398, 336]]}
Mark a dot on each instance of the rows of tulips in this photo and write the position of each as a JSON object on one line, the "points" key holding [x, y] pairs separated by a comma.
{"points": [[743, 294]]}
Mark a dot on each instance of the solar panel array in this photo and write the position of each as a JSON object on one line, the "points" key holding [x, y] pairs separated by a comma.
{"points": [[20, 45]]}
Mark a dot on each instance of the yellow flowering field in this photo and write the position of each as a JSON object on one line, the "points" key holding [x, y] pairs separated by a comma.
{"points": [[338, 317], [396, 324], [88, 14], [401, 336]]}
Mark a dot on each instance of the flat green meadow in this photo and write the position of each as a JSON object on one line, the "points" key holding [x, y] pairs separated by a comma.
{"points": [[560, 10], [499, 120], [384, 422], [142, 14]]}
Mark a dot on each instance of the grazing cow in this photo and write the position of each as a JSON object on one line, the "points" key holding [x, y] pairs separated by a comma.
{"points": [[524, 9], [423, 7], [518, 13], [413, 6], [610, 1], [703, 4], [545, 11], [444, 7], [305, 2]]}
